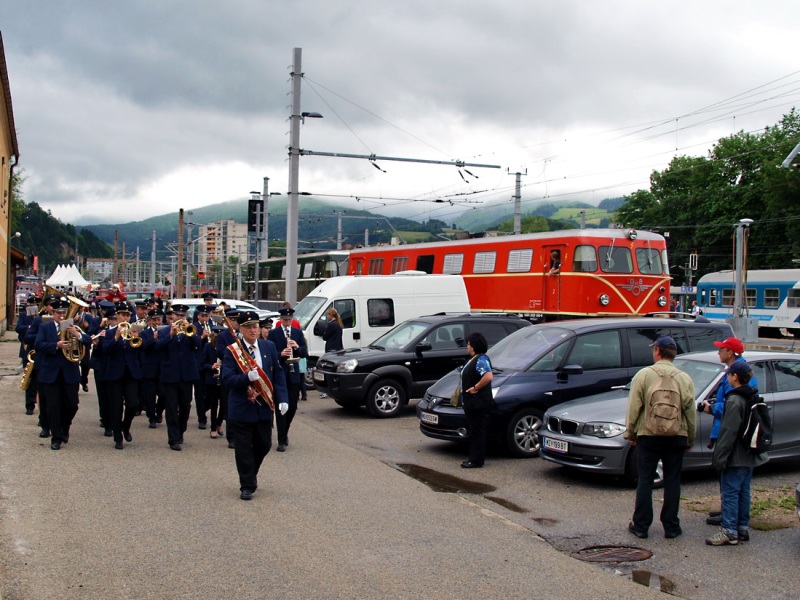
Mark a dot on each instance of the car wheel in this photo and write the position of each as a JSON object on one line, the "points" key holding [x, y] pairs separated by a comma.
{"points": [[385, 399], [522, 433], [632, 472]]}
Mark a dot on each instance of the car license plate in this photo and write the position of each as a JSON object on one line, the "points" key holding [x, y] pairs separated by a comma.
{"points": [[319, 376], [429, 418], [556, 445]]}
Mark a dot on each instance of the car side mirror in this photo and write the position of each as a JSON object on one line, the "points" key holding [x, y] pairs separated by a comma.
{"points": [[319, 328], [572, 370], [423, 347]]}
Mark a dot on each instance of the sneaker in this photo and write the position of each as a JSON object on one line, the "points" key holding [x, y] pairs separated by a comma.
{"points": [[722, 538], [744, 535]]}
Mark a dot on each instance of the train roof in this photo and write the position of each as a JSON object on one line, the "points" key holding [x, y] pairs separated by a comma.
{"points": [[609, 234], [754, 276]]}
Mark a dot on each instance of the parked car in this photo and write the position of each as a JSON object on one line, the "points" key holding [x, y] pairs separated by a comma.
{"points": [[586, 434], [405, 361], [548, 364], [797, 499], [193, 303]]}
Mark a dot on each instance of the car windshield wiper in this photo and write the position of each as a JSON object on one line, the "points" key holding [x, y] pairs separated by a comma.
{"points": [[377, 347]]}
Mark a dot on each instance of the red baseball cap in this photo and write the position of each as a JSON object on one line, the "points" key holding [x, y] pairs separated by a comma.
{"points": [[732, 344]]}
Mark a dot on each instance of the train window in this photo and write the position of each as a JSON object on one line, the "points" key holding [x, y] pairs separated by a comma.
{"points": [[615, 260], [772, 298], [425, 263], [453, 264], [484, 262], [793, 298], [376, 266], [727, 297], [750, 297], [380, 312], [519, 261], [649, 261], [585, 259], [399, 263], [712, 297], [787, 375]]}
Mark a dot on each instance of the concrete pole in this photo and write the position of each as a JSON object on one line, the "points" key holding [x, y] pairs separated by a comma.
{"points": [[177, 276], [153, 283], [518, 204], [292, 210]]}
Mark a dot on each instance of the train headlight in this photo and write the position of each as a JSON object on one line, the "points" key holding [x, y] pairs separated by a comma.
{"points": [[662, 301], [632, 234], [604, 299]]}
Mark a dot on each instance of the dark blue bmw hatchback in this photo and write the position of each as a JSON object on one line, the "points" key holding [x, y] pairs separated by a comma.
{"points": [[540, 366]]}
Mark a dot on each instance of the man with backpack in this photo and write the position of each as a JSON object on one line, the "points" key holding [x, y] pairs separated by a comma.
{"points": [[733, 460], [660, 424]]}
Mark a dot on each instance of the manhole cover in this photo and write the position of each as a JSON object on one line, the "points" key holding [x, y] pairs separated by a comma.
{"points": [[612, 554]]}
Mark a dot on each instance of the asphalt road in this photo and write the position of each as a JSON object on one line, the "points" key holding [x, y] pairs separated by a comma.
{"points": [[336, 516]]}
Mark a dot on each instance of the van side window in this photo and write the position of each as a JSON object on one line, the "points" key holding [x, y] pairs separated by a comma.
{"points": [[380, 312], [702, 338], [347, 311], [639, 341], [598, 350]]}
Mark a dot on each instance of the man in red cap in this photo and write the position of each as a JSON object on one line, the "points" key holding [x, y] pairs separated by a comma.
{"points": [[730, 351]]}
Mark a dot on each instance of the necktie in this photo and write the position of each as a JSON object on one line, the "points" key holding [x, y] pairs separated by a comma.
{"points": [[252, 351]]}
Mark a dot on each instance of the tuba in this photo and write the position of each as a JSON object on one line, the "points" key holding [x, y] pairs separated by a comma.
{"points": [[76, 350], [28, 372]]}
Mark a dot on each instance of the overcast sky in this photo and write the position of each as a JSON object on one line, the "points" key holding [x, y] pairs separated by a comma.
{"points": [[126, 110]]}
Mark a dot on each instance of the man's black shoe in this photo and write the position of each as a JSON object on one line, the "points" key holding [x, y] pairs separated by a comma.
{"points": [[55, 446], [118, 446], [159, 419], [715, 513], [468, 464], [108, 432], [28, 411], [85, 387], [714, 520], [127, 435], [201, 425], [672, 534], [44, 433], [744, 535], [152, 425], [103, 425], [281, 448], [639, 534], [176, 447], [246, 495]]}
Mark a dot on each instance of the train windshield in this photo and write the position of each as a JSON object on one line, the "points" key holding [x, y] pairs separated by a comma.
{"points": [[307, 308], [526, 345]]}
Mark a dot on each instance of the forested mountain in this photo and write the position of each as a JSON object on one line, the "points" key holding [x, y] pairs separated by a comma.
{"points": [[699, 200], [51, 240]]}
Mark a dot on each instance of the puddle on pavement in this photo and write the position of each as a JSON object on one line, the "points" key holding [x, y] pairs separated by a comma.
{"points": [[507, 504], [442, 482], [653, 581]]}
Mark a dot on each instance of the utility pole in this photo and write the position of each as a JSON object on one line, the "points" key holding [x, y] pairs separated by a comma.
{"points": [[518, 202], [153, 283], [745, 328], [178, 279]]}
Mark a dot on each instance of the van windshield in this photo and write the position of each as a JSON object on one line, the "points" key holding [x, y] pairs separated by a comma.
{"points": [[307, 308]]}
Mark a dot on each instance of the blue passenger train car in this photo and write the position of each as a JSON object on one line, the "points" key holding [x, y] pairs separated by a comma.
{"points": [[772, 296]]}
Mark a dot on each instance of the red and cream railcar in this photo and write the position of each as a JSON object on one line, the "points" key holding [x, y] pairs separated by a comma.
{"points": [[587, 272]]}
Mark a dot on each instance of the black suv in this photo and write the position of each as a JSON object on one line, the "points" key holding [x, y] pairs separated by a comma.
{"points": [[403, 362], [551, 363]]}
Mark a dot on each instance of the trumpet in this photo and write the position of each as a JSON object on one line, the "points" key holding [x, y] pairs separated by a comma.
{"points": [[125, 333], [182, 326]]}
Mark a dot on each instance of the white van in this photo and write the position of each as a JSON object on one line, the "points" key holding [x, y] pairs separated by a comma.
{"points": [[370, 305]]}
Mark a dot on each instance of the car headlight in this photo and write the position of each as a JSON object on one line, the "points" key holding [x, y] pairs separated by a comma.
{"points": [[603, 430], [347, 366]]}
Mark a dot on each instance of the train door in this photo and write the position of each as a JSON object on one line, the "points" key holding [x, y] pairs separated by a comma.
{"points": [[552, 257]]}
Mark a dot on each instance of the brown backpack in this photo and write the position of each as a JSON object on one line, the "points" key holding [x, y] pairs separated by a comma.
{"points": [[664, 404]]}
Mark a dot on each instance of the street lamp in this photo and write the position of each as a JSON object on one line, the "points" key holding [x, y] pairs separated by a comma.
{"points": [[292, 210]]}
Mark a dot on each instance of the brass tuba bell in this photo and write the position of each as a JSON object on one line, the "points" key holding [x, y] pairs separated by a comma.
{"points": [[75, 351]]}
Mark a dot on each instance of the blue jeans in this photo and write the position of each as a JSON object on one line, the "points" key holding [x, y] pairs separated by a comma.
{"points": [[735, 483]]}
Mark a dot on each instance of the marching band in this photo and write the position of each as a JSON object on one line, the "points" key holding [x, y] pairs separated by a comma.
{"points": [[157, 363]]}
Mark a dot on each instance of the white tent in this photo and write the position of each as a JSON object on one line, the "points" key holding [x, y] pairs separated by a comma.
{"points": [[65, 276]]}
